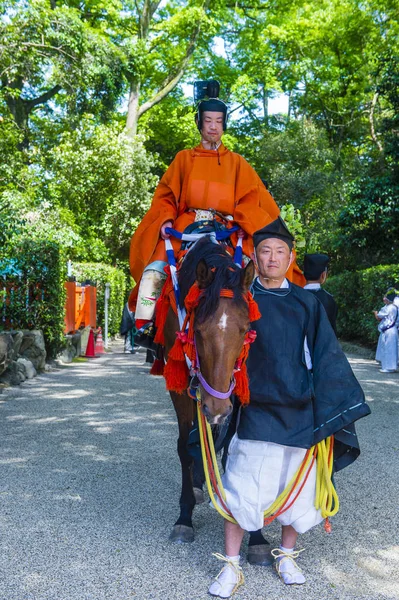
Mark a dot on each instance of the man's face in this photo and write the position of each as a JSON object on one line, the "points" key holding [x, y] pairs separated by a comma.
{"points": [[212, 126], [273, 258]]}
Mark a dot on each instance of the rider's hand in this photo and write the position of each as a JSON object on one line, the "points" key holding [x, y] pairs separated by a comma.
{"points": [[241, 233], [164, 235]]}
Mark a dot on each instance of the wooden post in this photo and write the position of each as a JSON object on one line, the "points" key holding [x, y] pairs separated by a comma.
{"points": [[70, 307], [90, 306]]}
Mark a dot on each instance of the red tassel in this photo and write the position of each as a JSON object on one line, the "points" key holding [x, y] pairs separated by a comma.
{"points": [[177, 352], [327, 526], [192, 298], [176, 376], [254, 313], [242, 389], [157, 367]]}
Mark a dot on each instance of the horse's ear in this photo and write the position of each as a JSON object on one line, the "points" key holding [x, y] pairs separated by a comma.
{"points": [[247, 276], [203, 274]]}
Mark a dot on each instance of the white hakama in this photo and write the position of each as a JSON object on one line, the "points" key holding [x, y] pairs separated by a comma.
{"points": [[256, 474], [387, 349]]}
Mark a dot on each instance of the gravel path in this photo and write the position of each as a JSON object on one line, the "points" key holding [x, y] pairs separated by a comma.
{"points": [[90, 483]]}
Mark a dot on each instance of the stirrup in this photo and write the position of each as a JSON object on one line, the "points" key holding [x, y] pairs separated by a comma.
{"points": [[280, 557], [145, 335], [237, 571]]}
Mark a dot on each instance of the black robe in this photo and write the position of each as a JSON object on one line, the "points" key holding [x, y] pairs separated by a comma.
{"points": [[329, 304], [289, 404]]}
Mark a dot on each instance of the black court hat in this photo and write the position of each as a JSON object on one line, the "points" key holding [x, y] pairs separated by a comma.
{"points": [[314, 265], [276, 229]]}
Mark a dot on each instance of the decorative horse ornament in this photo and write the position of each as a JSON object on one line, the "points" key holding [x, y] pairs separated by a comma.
{"points": [[214, 341]]}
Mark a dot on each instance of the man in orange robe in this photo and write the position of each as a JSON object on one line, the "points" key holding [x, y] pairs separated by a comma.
{"points": [[206, 177]]}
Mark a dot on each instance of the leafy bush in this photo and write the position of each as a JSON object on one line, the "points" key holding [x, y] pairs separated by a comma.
{"points": [[357, 293], [103, 274], [35, 296], [102, 177]]}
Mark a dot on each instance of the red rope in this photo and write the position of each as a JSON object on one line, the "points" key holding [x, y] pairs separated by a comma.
{"points": [[284, 508]]}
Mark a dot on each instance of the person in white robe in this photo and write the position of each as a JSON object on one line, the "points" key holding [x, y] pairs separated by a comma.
{"points": [[387, 348], [396, 303]]}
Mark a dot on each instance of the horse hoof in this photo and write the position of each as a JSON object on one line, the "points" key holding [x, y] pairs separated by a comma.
{"points": [[260, 555], [199, 496], [181, 534]]}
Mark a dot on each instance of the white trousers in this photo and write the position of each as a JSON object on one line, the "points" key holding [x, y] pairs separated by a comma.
{"points": [[256, 474]]}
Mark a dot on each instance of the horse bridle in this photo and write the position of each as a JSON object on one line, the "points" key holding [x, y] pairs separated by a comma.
{"points": [[195, 370], [208, 388]]}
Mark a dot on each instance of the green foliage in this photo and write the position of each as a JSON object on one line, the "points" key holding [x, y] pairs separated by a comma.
{"points": [[293, 218], [75, 74], [36, 294], [357, 294], [168, 128], [87, 193], [369, 224], [104, 179], [103, 274]]}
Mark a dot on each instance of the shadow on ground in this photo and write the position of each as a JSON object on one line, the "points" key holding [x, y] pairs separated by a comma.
{"points": [[90, 483]]}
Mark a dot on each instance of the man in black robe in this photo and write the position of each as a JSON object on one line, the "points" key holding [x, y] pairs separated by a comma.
{"points": [[315, 268], [302, 391]]}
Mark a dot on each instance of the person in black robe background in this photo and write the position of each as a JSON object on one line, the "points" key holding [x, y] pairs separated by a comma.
{"points": [[302, 391], [315, 270]]}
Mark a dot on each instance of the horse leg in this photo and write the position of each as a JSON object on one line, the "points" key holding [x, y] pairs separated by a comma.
{"points": [[198, 480], [182, 531]]}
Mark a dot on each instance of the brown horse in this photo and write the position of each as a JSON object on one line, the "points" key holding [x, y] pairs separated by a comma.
{"points": [[220, 326]]}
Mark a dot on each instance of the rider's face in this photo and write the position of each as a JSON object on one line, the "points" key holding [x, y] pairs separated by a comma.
{"points": [[273, 258], [212, 126]]}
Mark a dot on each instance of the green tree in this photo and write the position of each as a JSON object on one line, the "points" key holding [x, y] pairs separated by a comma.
{"points": [[369, 223], [104, 179], [52, 55]]}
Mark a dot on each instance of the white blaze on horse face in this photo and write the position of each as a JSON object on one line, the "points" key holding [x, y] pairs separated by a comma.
{"points": [[223, 322]]}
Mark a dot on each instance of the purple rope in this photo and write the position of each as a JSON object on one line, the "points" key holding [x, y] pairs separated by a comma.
{"points": [[207, 387]]}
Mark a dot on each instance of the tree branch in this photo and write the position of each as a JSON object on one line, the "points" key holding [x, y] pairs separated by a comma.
{"points": [[45, 46], [171, 81], [147, 13], [169, 84], [372, 127], [43, 98]]}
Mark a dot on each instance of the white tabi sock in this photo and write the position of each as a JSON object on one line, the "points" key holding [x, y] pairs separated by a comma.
{"points": [[286, 566], [229, 578]]}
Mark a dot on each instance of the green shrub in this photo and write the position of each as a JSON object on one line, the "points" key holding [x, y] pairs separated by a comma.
{"points": [[103, 274], [35, 273], [357, 293]]}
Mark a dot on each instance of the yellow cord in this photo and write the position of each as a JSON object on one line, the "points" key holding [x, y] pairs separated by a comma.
{"points": [[326, 499], [206, 469]]}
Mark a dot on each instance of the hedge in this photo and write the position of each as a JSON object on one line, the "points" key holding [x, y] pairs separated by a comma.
{"points": [[33, 294], [357, 294], [102, 274]]}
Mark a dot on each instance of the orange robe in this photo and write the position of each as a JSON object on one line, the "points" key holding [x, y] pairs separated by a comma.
{"points": [[203, 179]]}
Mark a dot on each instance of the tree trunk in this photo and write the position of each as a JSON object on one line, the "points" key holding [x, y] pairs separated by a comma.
{"points": [[372, 126], [265, 97], [20, 112], [21, 108], [133, 109]]}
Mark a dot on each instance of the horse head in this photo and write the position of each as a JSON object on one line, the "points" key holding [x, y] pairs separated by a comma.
{"points": [[220, 325]]}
